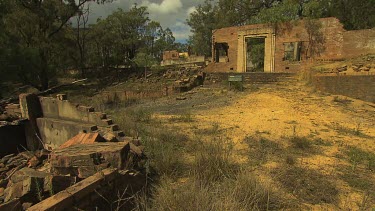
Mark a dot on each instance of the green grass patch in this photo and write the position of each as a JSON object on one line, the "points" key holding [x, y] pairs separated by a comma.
{"points": [[185, 117], [358, 156]]}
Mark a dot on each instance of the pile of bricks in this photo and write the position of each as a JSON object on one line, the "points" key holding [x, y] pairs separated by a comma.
{"points": [[29, 178]]}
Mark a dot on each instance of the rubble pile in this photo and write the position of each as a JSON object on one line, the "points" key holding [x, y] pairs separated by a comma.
{"points": [[15, 170], [365, 64], [10, 113], [185, 79], [28, 178]]}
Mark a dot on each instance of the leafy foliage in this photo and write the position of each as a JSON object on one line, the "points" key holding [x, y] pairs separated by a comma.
{"points": [[212, 15]]}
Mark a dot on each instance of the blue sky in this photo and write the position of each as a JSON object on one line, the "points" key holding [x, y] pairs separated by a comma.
{"points": [[170, 13]]}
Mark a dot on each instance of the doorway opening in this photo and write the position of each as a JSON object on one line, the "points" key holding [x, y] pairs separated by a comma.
{"points": [[221, 52], [255, 53]]}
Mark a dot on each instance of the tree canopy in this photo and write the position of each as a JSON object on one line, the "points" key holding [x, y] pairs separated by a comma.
{"points": [[354, 14], [40, 40]]}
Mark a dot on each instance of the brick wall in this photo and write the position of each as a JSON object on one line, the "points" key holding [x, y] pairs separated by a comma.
{"points": [[359, 86], [229, 36], [360, 42], [338, 44], [167, 55], [332, 31]]}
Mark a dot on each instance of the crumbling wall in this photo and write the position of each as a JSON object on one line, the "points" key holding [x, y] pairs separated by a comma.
{"points": [[229, 36], [114, 96], [98, 192], [53, 121], [332, 31], [359, 42], [338, 44], [355, 86]]}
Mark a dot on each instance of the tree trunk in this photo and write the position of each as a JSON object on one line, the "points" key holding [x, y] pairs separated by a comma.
{"points": [[43, 74]]}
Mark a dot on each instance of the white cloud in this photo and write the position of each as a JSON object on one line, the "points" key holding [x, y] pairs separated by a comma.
{"points": [[191, 10], [181, 31], [170, 13], [165, 7]]}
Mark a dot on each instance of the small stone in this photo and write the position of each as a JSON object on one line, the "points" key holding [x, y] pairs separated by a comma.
{"points": [[136, 150], [110, 137], [181, 98], [136, 142], [26, 205]]}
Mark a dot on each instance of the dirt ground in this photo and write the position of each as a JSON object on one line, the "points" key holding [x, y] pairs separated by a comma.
{"points": [[276, 111]]}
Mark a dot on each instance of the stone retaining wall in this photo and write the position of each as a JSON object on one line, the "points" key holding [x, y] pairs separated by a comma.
{"points": [[355, 86]]}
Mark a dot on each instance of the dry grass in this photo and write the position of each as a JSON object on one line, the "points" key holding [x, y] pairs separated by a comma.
{"points": [[242, 192], [306, 184], [261, 149], [213, 161]]}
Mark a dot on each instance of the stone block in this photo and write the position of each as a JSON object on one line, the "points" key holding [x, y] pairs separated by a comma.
{"points": [[55, 132], [25, 173], [32, 186], [55, 184], [25, 183], [108, 121], [83, 138], [110, 137], [13, 191], [85, 159], [114, 127], [66, 199]]}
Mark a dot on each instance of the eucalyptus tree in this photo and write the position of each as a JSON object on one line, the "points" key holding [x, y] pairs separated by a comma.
{"points": [[38, 31]]}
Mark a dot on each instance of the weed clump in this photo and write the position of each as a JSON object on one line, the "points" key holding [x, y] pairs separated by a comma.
{"points": [[261, 149], [242, 192], [185, 117], [213, 161], [358, 156], [165, 153], [301, 143]]}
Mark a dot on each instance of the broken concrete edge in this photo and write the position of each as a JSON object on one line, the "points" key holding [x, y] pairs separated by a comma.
{"points": [[67, 198]]}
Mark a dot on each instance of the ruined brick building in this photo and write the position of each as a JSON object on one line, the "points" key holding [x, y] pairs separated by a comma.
{"points": [[288, 46]]}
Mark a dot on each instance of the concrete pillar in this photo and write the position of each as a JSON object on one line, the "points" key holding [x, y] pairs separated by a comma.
{"points": [[31, 110], [241, 53]]}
